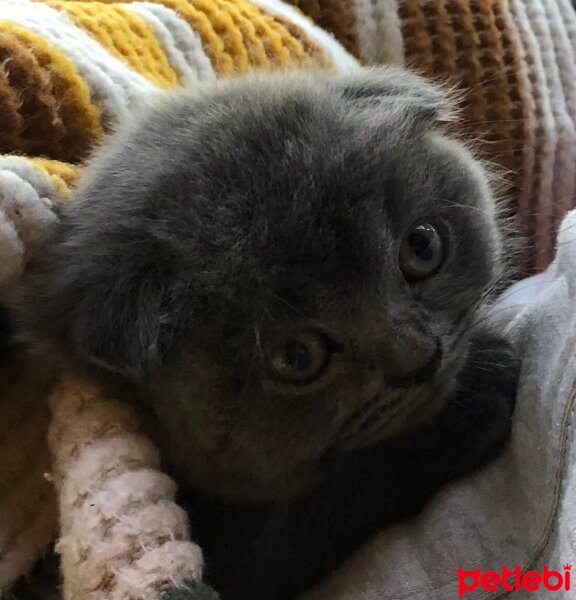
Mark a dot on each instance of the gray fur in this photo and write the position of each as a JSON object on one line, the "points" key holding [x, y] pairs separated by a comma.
{"points": [[264, 204]]}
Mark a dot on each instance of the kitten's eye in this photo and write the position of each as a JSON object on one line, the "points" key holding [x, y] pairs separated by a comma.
{"points": [[299, 359], [421, 252]]}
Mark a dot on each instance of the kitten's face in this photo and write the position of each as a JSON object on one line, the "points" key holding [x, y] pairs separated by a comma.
{"points": [[291, 264]]}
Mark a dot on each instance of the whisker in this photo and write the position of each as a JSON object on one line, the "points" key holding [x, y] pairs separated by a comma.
{"points": [[288, 304]]}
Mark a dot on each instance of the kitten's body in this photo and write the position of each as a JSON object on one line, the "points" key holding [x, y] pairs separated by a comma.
{"points": [[224, 225]]}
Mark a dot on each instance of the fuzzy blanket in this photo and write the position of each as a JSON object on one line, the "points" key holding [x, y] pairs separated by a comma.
{"points": [[70, 69]]}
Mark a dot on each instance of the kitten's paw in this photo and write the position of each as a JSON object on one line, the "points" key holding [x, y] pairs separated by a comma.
{"points": [[477, 422], [492, 367]]}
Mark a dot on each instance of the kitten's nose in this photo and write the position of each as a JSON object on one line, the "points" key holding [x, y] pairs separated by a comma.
{"points": [[416, 362]]}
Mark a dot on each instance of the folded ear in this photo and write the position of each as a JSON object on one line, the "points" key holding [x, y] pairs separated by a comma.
{"points": [[127, 325], [116, 308], [400, 92]]}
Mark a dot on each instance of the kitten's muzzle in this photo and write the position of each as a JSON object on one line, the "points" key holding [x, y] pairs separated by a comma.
{"points": [[416, 364]]}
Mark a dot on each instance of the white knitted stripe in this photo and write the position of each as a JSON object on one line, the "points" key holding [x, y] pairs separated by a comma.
{"points": [[366, 30], [568, 64], [546, 133], [337, 54], [30, 174], [379, 31], [25, 214], [548, 30], [564, 80], [113, 85], [181, 43], [23, 206]]}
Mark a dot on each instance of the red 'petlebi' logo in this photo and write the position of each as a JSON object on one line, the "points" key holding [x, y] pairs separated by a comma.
{"points": [[514, 580]]}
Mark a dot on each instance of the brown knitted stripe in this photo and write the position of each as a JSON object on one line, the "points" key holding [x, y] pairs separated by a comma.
{"points": [[472, 44], [24, 418], [440, 20], [29, 536], [417, 40], [313, 53], [55, 116], [335, 16], [28, 473], [497, 92], [10, 116], [522, 121], [32, 544], [37, 110]]}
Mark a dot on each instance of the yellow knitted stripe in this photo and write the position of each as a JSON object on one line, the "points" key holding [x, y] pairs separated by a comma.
{"points": [[278, 44], [80, 115], [237, 36], [125, 35], [62, 175]]}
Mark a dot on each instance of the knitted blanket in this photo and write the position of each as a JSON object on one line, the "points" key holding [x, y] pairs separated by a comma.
{"points": [[515, 61], [69, 70]]}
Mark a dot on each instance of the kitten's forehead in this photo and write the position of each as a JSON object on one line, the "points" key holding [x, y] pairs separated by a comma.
{"points": [[314, 143], [286, 186], [315, 192]]}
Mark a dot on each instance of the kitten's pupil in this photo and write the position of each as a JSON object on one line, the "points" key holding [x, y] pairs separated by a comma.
{"points": [[421, 246], [297, 356]]}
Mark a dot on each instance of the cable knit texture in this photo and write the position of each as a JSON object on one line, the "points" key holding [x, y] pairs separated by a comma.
{"points": [[71, 69]]}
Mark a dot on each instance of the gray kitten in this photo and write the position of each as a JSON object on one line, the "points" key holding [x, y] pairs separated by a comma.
{"points": [[288, 270]]}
